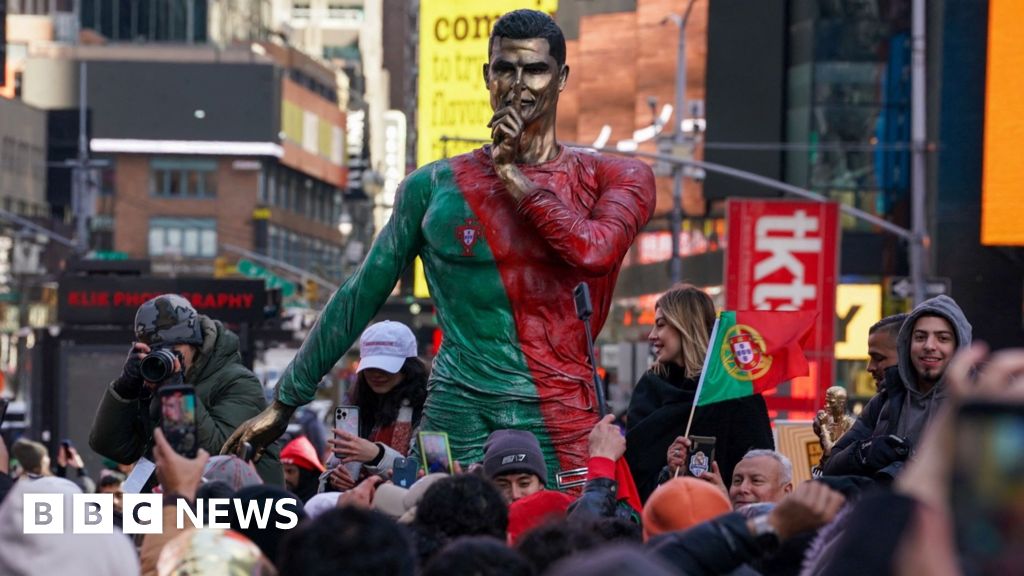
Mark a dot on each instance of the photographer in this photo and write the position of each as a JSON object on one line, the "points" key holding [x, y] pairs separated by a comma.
{"points": [[205, 355]]}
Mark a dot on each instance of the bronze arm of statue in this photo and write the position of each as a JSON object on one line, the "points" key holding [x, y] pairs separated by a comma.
{"points": [[260, 431]]}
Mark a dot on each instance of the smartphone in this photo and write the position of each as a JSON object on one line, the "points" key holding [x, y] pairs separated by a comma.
{"points": [[436, 454], [988, 487], [404, 472], [346, 418], [581, 295], [4, 403], [178, 418], [702, 454]]}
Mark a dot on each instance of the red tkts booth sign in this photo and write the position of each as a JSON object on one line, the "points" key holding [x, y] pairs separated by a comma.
{"points": [[782, 255]]}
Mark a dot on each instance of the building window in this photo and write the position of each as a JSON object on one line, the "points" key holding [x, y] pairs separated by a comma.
{"points": [[190, 237], [174, 178]]}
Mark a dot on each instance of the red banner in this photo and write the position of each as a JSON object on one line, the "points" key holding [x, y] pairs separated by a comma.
{"points": [[783, 255]]}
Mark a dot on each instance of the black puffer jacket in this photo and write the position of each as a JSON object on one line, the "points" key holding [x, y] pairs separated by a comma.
{"points": [[658, 413]]}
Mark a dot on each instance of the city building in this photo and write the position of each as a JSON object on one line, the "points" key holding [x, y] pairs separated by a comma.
{"points": [[248, 156]]}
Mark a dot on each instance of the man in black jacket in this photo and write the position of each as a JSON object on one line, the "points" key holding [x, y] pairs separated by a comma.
{"points": [[891, 424]]}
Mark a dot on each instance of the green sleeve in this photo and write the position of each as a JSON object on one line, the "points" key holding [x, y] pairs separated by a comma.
{"points": [[357, 301]]}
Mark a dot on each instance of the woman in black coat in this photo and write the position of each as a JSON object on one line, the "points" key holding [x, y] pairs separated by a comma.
{"points": [[661, 402]]}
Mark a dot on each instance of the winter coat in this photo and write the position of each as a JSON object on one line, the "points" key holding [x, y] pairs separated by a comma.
{"points": [[658, 413], [898, 401], [227, 395]]}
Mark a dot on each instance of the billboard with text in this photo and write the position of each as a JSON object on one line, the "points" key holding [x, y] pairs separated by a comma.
{"points": [[453, 99], [783, 255]]}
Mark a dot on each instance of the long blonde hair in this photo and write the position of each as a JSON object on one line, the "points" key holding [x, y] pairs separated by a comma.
{"points": [[691, 312]]}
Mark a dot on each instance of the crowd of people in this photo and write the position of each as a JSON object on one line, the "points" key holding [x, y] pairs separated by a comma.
{"points": [[874, 509]]}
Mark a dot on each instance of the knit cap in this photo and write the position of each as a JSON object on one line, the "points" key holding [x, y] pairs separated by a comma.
{"points": [[514, 451], [681, 503], [533, 510]]}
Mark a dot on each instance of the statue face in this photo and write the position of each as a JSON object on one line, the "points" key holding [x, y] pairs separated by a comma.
{"points": [[527, 70], [835, 397]]}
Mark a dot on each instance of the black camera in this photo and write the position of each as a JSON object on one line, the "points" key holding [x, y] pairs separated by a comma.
{"points": [[158, 365]]}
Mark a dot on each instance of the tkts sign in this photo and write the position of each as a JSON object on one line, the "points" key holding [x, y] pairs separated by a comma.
{"points": [[781, 255]]}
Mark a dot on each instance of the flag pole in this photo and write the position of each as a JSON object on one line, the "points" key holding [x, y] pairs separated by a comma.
{"points": [[700, 382]]}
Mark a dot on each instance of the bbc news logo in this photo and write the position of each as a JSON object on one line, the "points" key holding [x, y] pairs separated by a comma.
{"points": [[143, 513]]}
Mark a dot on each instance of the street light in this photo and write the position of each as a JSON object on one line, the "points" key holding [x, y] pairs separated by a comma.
{"points": [[678, 141], [345, 224]]}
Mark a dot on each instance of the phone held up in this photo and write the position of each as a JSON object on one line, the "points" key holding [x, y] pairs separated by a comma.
{"points": [[178, 418], [346, 419], [702, 454], [404, 472], [988, 487], [436, 454]]}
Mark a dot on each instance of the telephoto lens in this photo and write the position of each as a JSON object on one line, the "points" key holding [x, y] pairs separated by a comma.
{"points": [[158, 365]]}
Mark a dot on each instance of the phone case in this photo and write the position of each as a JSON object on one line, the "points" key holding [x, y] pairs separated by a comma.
{"points": [[436, 453], [178, 419], [347, 418], [404, 472], [702, 454]]}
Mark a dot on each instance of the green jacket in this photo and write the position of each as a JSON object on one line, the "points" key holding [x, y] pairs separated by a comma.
{"points": [[228, 394]]}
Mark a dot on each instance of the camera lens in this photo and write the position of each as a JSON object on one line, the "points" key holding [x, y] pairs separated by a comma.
{"points": [[157, 366]]}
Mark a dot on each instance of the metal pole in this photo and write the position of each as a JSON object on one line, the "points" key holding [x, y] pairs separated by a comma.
{"points": [[679, 139], [918, 129], [80, 189]]}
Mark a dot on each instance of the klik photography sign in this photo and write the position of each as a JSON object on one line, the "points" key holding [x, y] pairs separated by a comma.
{"points": [[114, 300], [453, 98]]}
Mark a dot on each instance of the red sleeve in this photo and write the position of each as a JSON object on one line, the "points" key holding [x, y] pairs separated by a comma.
{"points": [[596, 242], [599, 467]]}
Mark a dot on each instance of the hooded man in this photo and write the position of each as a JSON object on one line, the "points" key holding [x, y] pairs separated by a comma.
{"points": [[892, 422]]}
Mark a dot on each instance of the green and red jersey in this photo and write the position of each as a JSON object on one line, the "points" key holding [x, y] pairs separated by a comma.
{"points": [[501, 273]]}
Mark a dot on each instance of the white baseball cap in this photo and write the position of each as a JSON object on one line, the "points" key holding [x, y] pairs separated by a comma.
{"points": [[385, 346]]}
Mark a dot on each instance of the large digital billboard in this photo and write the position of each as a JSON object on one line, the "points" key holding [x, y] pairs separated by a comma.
{"points": [[453, 49], [1002, 206]]}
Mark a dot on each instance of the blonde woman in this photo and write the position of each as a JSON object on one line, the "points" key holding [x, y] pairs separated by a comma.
{"points": [[661, 400]]}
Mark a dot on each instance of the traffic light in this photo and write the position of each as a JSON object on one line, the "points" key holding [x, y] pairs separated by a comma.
{"points": [[312, 291]]}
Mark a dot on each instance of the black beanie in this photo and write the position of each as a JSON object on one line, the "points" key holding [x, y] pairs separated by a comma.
{"points": [[514, 451]]}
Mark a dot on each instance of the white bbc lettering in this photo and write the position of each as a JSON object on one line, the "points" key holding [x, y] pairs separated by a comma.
{"points": [[143, 513], [43, 514], [92, 513], [784, 237]]}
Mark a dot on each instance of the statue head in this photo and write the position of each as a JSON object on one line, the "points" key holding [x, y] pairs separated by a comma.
{"points": [[526, 65], [835, 399]]}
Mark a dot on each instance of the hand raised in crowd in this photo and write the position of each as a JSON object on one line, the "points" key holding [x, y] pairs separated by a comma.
{"points": [[678, 451], [340, 479], [362, 495], [68, 457], [606, 440], [810, 506], [352, 448], [176, 473], [714, 476]]}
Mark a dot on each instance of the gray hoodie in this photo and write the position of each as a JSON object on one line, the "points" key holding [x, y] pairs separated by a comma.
{"points": [[919, 408]]}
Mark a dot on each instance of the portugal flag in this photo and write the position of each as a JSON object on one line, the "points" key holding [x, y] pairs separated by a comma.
{"points": [[751, 352]]}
